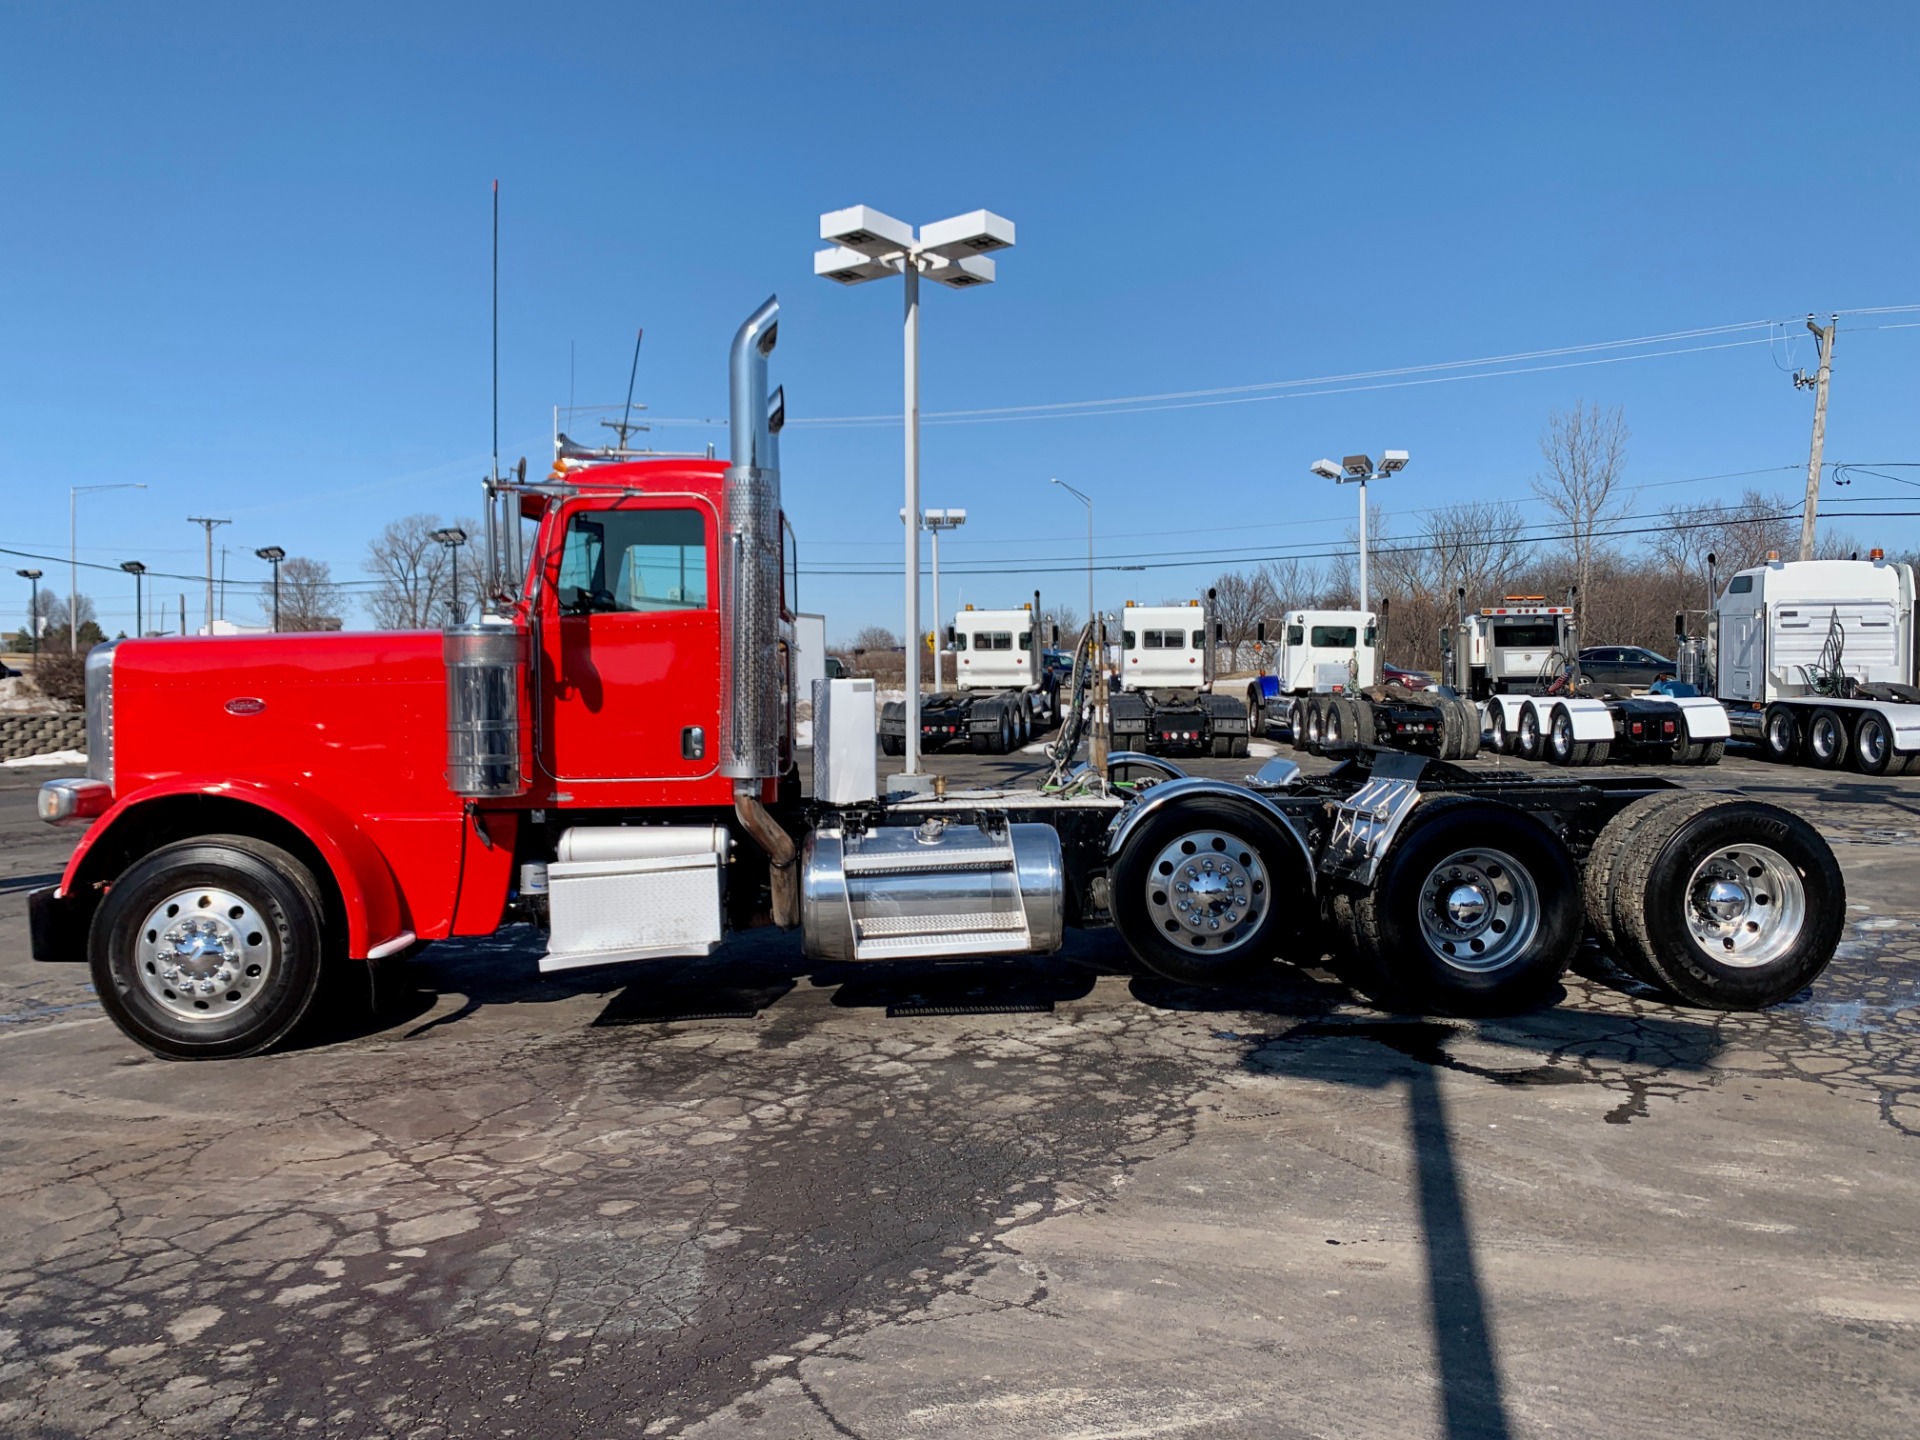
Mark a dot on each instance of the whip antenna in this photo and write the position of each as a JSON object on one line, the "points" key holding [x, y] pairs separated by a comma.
{"points": [[496, 329]]}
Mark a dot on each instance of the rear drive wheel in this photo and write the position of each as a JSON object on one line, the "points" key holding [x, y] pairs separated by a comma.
{"points": [[893, 744], [1316, 723], [1500, 735], [1459, 728], [1239, 747], [1208, 888], [1873, 745], [1780, 735], [209, 948], [1733, 904], [1600, 878], [1336, 723], [1827, 740], [1297, 725], [1561, 745], [1527, 740], [1477, 908]]}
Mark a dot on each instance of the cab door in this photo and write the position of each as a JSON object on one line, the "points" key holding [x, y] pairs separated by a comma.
{"points": [[630, 649]]}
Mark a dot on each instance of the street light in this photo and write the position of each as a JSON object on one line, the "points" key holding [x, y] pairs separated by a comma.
{"points": [[74, 492], [136, 569], [273, 555], [868, 245], [1086, 500], [936, 521], [33, 616], [1358, 470], [453, 537]]}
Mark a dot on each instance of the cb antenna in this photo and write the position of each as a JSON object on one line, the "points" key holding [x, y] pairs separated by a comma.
{"points": [[496, 329], [625, 425]]}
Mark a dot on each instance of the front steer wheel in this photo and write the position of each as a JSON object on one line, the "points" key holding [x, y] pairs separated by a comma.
{"points": [[1729, 904], [1209, 888], [1475, 910], [210, 948]]}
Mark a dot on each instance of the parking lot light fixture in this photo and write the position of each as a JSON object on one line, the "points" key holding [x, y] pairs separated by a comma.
{"points": [[1358, 470], [866, 244]]}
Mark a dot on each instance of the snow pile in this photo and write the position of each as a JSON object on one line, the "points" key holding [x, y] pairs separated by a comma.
{"points": [[58, 757], [18, 697]]}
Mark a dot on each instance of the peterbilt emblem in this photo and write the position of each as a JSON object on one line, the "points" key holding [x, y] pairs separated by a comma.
{"points": [[245, 705]]}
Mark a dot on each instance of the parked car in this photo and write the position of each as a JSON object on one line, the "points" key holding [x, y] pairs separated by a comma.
{"points": [[1625, 665], [1411, 679], [837, 668], [1058, 664]]}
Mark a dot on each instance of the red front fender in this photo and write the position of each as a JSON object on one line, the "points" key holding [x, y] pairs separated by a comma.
{"points": [[376, 910]]}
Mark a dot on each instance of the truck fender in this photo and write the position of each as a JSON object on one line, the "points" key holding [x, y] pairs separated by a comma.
{"points": [[376, 914], [1509, 706], [1167, 791], [1592, 720], [1705, 718]]}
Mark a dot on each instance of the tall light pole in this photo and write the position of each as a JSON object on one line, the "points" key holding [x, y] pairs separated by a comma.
{"points": [[210, 525], [1359, 469], [453, 537], [936, 521], [273, 555], [136, 569], [74, 492], [868, 245], [33, 616], [1086, 500]]}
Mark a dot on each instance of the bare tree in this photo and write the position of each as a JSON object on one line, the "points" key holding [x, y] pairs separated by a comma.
{"points": [[1241, 600], [309, 600], [1585, 450], [1054, 612], [414, 579]]}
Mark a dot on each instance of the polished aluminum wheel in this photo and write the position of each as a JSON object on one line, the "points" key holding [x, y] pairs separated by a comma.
{"points": [[1479, 909], [1560, 733], [1208, 890], [204, 954], [1826, 735], [1745, 905]]}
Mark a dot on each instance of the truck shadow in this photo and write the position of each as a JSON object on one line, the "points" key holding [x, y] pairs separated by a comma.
{"points": [[1375, 1055]]}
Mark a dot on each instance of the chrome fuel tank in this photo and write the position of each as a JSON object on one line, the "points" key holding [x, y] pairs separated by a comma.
{"points": [[932, 890]]}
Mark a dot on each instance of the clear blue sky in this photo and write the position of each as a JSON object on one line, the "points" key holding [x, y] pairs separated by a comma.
{"points": [[244, 258]]}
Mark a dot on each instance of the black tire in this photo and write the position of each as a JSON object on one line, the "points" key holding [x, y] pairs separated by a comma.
{"points": [[1003, 741], [1336, 723], [1655, 909], [1561, 748], [1239, 747], [1459, 728], [1599, 878], [1389, 937], [1715, 752], [1313, 712], [893, 745], [273, 894], [1593, 752], [1528, 741], [1283, 899], [1780, 735], [1499, 735], [1873, 752], [1221, 746], [1360, 711], [1297, 726], [1256, 712], [1827, 740]]}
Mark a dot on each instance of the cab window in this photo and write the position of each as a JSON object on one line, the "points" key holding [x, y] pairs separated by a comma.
{"points": [[1163, 640], [1535, 635], [1199, 639], [1741, 585], [1126, 639], [959, 639], [993, 640], [1026, 639], [1335, 637], [634, 561], [1296, 634], [1372, 632]]}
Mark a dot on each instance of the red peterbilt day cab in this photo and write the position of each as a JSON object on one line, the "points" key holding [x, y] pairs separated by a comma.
{"points": [[607, 753]]}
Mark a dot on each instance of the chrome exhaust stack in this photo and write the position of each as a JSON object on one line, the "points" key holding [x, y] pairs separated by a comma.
{"points": [[750, 563]]}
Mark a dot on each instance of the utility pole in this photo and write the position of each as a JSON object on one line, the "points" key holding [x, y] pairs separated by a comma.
{"points": [[209, 523], [1810, 511]]}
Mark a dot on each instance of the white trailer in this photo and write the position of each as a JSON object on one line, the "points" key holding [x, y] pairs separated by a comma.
{"points": [[1166, 700], [1002, 693], [1816, 660]]}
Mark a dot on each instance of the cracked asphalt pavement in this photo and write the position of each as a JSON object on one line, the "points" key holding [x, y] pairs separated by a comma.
{"points": [[1057, 1197]]}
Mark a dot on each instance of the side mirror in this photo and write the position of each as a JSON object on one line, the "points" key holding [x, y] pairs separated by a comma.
{"points": [[1219, 633], [949, 634], [1260, 632], [1056, 637]]}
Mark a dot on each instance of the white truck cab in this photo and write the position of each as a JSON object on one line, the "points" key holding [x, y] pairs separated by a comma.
{"points": [[1507, 647], [1165, 647], [1322, 651], [995, 650]]}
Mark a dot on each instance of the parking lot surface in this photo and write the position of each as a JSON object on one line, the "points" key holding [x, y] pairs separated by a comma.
{"points": [[752, 1195]]}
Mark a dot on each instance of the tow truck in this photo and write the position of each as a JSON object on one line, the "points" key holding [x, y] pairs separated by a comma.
{"points": [[606, 754], [1520, 660], [1003, 693]]}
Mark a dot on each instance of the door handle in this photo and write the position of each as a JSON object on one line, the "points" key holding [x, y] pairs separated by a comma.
{"points": [[693, 743]]}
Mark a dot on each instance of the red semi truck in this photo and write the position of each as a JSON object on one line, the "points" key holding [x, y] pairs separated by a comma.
{"points": [[607, 754]]}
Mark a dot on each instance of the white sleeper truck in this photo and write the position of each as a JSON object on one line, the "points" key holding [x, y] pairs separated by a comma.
{"points": [[1166, 701], [1002, 695], [1816, 660], [1318, 652]]}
